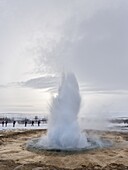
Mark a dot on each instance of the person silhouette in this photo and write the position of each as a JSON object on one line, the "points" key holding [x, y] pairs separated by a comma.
{"points": [[14, 122], [32, 123], [3, 123], [6, 123], [38, 122], [25, 123]]}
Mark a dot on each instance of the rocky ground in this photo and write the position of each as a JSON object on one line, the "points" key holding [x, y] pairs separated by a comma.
{"points": [[15, 156]]}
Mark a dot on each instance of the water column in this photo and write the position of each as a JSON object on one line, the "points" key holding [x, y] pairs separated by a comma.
{"points": [[63, 128]]}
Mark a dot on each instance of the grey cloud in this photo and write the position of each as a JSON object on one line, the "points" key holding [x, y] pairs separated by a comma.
{"points": [[95, 48], [49, 83], [104, 49]]}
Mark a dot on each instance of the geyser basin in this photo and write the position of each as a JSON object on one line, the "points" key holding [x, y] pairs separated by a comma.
{"points": [[34, 145], [63, 128]]}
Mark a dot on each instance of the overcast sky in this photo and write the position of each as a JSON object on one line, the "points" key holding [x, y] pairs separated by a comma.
{"points": [[39, 39]]}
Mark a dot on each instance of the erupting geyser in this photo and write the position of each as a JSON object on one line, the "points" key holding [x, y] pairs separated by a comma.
{"points": [[63, 128]]}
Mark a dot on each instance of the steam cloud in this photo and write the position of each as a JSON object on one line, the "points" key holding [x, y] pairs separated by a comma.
{"points": [[63, 128]]}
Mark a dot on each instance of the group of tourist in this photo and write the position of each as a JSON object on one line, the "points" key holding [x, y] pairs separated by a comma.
{"points": [[32, 123], [5, 123]]}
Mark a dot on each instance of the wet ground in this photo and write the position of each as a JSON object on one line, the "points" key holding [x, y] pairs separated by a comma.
{"points": [[15, 156]]}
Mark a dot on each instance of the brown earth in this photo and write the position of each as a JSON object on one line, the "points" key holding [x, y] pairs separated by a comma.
{"points": [[15, 156]]}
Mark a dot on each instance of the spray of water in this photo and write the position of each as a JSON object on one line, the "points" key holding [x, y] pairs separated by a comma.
{"points": [[63, 128]]}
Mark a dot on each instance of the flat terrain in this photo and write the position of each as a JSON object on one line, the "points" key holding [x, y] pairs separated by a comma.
{"points": [[15, 156]]}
